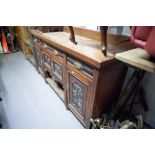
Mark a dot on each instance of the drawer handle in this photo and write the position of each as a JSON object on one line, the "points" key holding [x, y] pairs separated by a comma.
{"points": [[77, 65], [56, 52], [45, 46], [35, 40]]}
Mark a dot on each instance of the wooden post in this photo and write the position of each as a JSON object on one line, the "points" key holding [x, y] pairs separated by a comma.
{"points": [[103, 32], [72, 35]]}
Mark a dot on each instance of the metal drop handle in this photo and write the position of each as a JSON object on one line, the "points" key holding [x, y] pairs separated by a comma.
{"points": [[78, 65]]}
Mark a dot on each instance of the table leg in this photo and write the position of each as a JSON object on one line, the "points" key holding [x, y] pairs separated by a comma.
{"points": [[132, 89]]}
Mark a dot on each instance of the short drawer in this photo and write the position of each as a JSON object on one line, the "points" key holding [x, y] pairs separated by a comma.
{"points": [[38, 41], [81, 66], [55, 51]]}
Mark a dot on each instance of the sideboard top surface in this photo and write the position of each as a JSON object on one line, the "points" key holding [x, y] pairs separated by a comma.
{"points": [[86, 49]]}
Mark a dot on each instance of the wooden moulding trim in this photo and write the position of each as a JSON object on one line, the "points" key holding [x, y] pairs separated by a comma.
{"points": [[92, 34], [92, 98], [95, 35], [70, 51]]}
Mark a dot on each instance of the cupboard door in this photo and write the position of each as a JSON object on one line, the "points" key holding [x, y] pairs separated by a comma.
{"points": [[78, 93]]}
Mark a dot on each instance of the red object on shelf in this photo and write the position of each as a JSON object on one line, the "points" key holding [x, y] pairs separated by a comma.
{"points": [[4, 44], [144, 37]]}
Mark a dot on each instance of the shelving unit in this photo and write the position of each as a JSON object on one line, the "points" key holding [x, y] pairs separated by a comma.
{"points": [[24, 39]]}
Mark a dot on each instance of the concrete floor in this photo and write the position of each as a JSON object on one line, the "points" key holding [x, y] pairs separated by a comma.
{"points": [[28, 102]]}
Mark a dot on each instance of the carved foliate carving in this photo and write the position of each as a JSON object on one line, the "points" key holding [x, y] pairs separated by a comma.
{"points": [[57, 70], [36, 55], [39, 57], [77, 97], [47, 60]]}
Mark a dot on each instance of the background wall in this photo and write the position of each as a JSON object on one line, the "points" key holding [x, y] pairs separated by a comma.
{"points": [[149, 84]]}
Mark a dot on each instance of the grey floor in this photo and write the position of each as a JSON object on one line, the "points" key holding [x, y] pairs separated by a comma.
{"points": [[28, 102]]}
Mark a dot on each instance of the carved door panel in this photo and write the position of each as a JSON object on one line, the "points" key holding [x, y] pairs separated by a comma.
{"points": [[78, 92], [36, 55], [57, 71], [47, 60], [41, 60]]}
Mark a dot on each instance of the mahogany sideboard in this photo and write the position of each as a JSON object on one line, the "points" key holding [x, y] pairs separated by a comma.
{"points": [[87, 81]]}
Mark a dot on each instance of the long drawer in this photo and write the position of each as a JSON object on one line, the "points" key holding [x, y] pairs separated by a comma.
{"points": [[80, 66]]}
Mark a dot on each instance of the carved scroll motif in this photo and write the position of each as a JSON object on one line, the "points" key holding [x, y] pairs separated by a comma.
{"points": [[77, 96]]}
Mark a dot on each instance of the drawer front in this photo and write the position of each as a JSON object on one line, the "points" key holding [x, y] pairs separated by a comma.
{"points": [[55, 51], [37, 41], [54, 54], [80, 66]]}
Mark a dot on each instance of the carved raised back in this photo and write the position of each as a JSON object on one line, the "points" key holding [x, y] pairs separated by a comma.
{"points": [[92, 34]]}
